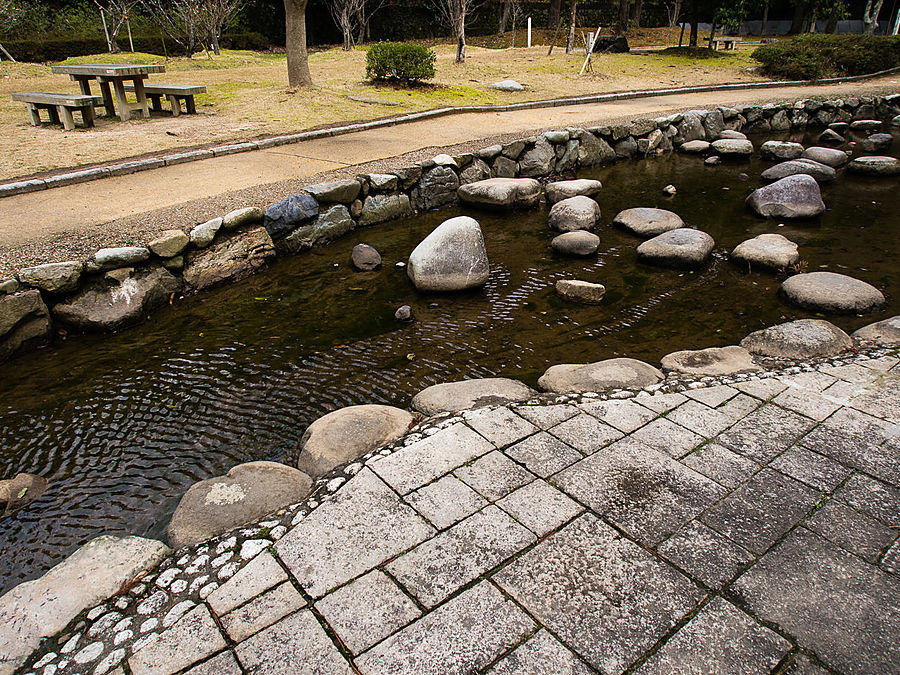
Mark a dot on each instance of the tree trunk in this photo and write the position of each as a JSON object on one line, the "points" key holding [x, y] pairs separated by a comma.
{"points": [[797, 23], [295, 43], [553, 14], [636, 9], [461, 37], [570, 43], [870, 16], [504, 16], [694, 32], [765, 19], [622, 25], [712, 33]]}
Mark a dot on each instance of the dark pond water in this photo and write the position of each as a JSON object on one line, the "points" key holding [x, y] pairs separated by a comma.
{"points": [[122, 426]]}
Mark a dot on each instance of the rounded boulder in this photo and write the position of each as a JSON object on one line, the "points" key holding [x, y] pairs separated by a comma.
{"points": [[365, 258], [682, 248], [732, 147], [801, 339], [579, 243], [477, 393], [452, 258], [886, 332], [822, 173], [877, 143], [574, 213], [830, 156], [773, 251], [875, 165], [831, 293], [712, 361], [584, 292], [780, 150], [648, 222], [792, 197], [501, 193], [563, 189], [622, 373]]}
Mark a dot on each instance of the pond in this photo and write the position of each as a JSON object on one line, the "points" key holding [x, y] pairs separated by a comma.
{"points": [[122, 426]]}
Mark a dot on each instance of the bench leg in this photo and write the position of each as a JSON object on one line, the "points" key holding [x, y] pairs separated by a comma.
{"points": [[122, 100], [175, 104], [141, 96], [189, 104], [54, 114], [156, 102], [35, 114], [87, 115], [68, 120], [108, 106]]}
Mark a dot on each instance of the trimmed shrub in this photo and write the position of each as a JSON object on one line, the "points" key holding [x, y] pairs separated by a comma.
{"points": [[399, 61], [814, 56]]}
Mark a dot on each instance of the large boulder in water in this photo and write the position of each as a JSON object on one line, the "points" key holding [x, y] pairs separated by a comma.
{"points": [[875, 165], [821, 172], [246, 493], [575, 378], [681, 248], [831, 293], [501, 193], [774, 251], [792, 197], [780, 150], [830, 156], [877, 143], [563, 189], [347, 434], [451, 258], [574, 213], [712, 361], [579, 243], [732, 147], [886, 332], [801, 339], [648, 222], [478, 393]]}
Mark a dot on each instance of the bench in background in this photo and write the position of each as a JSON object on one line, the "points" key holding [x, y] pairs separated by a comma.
{"points": [[60, 107], [175, 93]]}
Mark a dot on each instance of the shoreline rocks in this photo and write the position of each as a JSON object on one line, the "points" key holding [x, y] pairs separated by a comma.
{"points": [[796, 340], [501, 193], [620, 373], [885, 332], [464, 394], [711, 361]]}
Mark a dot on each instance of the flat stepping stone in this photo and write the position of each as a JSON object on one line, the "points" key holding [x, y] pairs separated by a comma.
{"points": [[801, 339], [731, 134], [452, 258], [622, 373], [885, 332], [780, 150], [710, 361], [682, 248], [477, 393], [792, 197], [821, 172], [697, 147], [773, 251], [648, 222], [875, 165], [732, 147], [877, 143], [831, 293], [580, 243], [574, 213], [563, 189], [584, 292], [865, 125], [501, 193], [830, 156]]}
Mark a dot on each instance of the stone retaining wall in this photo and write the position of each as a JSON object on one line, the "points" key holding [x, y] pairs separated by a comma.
{"points": [[119, 287]]}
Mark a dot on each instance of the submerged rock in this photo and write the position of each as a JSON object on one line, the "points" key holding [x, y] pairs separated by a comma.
{"points": [[831, 293], [501, 193], [574, 213], [697, 147], [766, 250], [831, 137], [648, 222], [477, 393], [877, 143], [886, 332], [821, 172], [451, 258], [584, 292], [792, 197], [801, 339], [579, 243], [875, 165], [683, 248], [780, 150], [365, 258], [712, 361], [830, 156], [20, 490], [574, 378], [563, 189], [403, 313], [24, 320]]}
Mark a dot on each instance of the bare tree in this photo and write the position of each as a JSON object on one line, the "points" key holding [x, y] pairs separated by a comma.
{"points": [[295, 43], [216, 16], [455, 13], [117, 12], [345, 13], [570, 43], [870, 16], [181, 20]]}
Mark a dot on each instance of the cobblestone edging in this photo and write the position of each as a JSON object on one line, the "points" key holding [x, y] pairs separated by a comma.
{"points": [[118, 287], [124, 168], [106, 635]]}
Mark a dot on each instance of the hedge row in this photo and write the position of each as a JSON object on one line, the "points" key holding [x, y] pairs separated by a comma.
{"points": [[814, 56]]}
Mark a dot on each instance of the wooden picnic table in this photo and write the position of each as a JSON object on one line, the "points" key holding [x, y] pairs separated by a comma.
{"points": [[116, 75]]}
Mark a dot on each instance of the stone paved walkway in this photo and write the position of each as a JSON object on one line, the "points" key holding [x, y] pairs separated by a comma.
{"points": [[748, 527]]}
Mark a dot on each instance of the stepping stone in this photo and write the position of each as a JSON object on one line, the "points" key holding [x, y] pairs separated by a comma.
{"points": [[875, 165], [877, 143], [574, 213], [773, 251], [865, 125], [780, 150], [451, 258], [731, 133], [681, 248], [648, 222], [821, 172], [792, 197], [886, 332], [476, 393], [581, 291], [622, 373], [501, 193], [832, 137], [732, 147], [833, 158], [564, 189], [697, 147], [831, 293], [710, 361], [801, 339], [579, 243]]}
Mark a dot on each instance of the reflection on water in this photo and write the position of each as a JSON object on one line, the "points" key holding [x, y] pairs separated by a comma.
{"points": [[122, 426]]}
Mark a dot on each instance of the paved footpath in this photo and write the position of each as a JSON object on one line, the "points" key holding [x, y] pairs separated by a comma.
{"points": [[744, 525]]}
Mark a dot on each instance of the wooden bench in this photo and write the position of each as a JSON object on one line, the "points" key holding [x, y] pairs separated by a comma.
{"points": [[59, 106], [728, 43], [175, 93]]}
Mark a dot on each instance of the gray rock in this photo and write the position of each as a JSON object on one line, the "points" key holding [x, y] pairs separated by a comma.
{"points": [[648, 222], [896, 121], [54, 277], [574, 213], [514, 149], [715, 160], [830, 156], [877, 143], [9, 286], [112, 303], [489, 152], [732, 133], [477, 393], [445, 160], [682, 248], [780, 150], [505, 168], [349, 433], [437, 187], [451, 258], [885, 332], [773, 251], [202, 235], [831, 137], [328, 227], [593, 150], [229, 260], [643, 126], [831, 293], [821, 172], [365, 258], [584, 292], [246, 493], [475, 172], [732, 147], [579, 243], [714, 124], [573, 378], [801, 339], [383, 182], [169, 243], [712, 361], [564, 189], [697, 147], [557, 137], [691, 128], [408, 176], [24, 321], [501, 193], [381, 208], [627, 147], [285, 216], [342, 191], [506, 85], [42, 608], [839, 127], [865, 125], [246, 217], [111, 258], [403, 313], [875, 165], [780, 121], [539, 161], [792, 197], [20, 490]]}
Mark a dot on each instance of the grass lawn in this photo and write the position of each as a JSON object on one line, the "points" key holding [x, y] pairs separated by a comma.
{"points": [[248, 96]]}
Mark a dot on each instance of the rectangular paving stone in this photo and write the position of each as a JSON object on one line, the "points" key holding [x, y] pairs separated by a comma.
{"points": [[221, 664], [460, 637], [659, 403], [626, 416], [811, 380], [501, 426], [540, 507], [705, 554], [296, 645], [712, 396], [764, 389], [806, 402], [257, 576], [761, 510], [882, 363], [367, 610], [646, 493], [882, 400], [543, 454], [364, 524], [193, 638], [422, 462], [719, 639], [494, 475], [541, 654], [603, 595], [446, 501], [738, 407], [765, 433], [852, 531], [845, 611], [700, 419], [435, 569], [668, 437], [262, 612], [585, 433], [872, 497], [851, 372], [811, 468], [721, 464], [844, 392], [546, 416]]}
